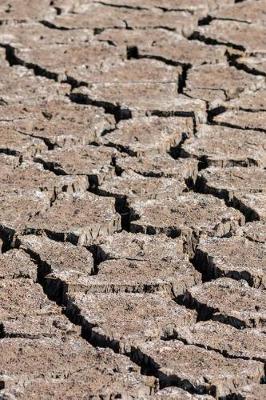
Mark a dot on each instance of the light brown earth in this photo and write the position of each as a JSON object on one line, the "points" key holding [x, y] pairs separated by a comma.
{"points": [[132, 199]]}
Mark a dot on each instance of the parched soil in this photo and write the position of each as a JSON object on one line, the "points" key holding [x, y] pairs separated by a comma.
{"points": [[132, 199]]}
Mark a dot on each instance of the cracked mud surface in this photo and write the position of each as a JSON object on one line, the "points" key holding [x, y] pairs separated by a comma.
{"points": [[133, 199]]}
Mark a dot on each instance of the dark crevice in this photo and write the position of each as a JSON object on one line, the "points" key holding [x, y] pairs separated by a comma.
{"points": [[231, 201], [210, 271], [235, 126], [211, 114], [208, 19], [133, 52], [9, 152], [206, 313], [109, 108], [182, 79], [121, 206], [121, 149], [175, 151], [94, 249], [233, 62], [58, 10], [7, 236], [50, 145], [224, 353], [205, 20], [169, 114], [50, 166], [50, 25], [74, 83], [126, 6], [166, 10], [12, 59], [210, 41]]}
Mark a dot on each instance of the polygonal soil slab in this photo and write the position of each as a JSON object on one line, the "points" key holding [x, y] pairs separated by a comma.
{"points": [[139, 100], [54, 256], [54, 368], [17, 209], [229, 301], [226, 182], [221, 146], [251, 392], [245, 37], [176, 393], [125, 319], [78, 219], [198, 370], [255, 231], [242, 119], [136, 246], [91, 161], [179, 50], [101, 16], [245, 12], [129, 262], [247, 344], [76, 61], [248, 101], [16, 264], [29, 10], [21, 85], [210, 82], [15, 143], [161, 165], [153, 135], [23, 297], [133, 71], [190, 216], [28, 178], [37, 327], [58, 122], [135, 276], [244, 188], [234, 257], [163, 45], [133, 186], [30, 33]]}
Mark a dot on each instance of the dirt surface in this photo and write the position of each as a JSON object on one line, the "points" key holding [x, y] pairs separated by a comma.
{"points": [[132, 199]]}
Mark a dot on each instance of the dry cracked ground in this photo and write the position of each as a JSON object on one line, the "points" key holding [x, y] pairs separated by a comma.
{"points": [[133, 199]]}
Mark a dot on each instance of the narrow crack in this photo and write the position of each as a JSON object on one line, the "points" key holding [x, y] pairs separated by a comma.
{"points": [[12, 59], [46, 141], [224, 353], [117, 111], [235, 126], [182, 80], [125, 6], [210, 41], [249, 214], [233, 62], [38, 70], [50, 25], [207, 313], [166, 10], [209, 18], [210, 271]]}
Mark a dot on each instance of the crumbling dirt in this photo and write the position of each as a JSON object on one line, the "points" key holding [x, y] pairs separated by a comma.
{"points": [[132, 199]]}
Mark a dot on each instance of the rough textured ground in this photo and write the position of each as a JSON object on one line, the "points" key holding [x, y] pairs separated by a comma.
{"points": [[132, 199]]}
